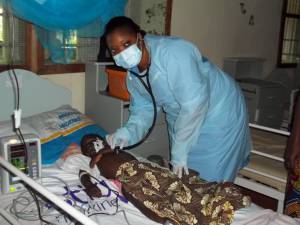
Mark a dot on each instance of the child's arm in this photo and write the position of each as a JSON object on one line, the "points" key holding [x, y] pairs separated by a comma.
{"points": [[91, 189]]}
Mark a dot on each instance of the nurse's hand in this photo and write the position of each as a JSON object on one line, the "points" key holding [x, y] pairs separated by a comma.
{"points": [[180, 169], [114, 141]]}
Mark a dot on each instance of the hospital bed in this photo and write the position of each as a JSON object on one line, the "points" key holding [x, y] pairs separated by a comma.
{"points": [[39, 95], [265, 173]]}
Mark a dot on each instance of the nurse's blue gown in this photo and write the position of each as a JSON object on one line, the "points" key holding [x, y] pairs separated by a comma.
{"points": [[205, 109]]}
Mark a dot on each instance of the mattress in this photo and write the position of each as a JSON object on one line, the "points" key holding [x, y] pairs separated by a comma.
{"points": [[127, 213]]}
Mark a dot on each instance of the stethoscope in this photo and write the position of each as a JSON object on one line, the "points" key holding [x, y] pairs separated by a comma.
{"points": [[148, 88]]}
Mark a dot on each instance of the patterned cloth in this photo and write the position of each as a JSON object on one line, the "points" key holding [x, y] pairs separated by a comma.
{"points": [[292, 197], [187, 201]]}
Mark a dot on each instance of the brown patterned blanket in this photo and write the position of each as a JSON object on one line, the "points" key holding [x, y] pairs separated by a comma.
{"points": [[162, 196]]}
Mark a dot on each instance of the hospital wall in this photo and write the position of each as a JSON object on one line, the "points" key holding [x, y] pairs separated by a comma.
{"points": [[220, 30], [75, 82]]}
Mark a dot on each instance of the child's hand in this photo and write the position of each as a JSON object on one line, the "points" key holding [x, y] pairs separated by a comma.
{"points": [[93, 191]]}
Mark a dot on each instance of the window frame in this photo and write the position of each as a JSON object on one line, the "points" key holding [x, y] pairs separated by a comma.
{"points": [[28, 62], [43, 68], [35, 58], [284, 15]]}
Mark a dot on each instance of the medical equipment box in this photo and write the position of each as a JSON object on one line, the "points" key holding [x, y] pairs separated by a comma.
{"points": [[265, 101], [244, 67], [26, 159], [117, 83]]}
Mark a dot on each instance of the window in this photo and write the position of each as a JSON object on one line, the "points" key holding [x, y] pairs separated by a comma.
{"points": [[81, 50], [28, 53], [9, 25], [289, 48]]}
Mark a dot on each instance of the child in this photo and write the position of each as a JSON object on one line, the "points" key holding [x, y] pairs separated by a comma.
{"points": [[159, 193]]}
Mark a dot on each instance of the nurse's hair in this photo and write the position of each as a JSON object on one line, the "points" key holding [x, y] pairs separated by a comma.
{"points": [[125, 23]]}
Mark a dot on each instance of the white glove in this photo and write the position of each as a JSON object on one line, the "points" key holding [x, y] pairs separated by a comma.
{"points": [[177, 169], [113, 141]]}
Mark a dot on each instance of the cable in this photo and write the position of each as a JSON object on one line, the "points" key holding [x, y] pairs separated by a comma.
{"points": [[25, 202], [117, 205], [149, 90], [17, 109], [21, 137], [12, 56], [14, 75], [22, 205], [9, 218], [12, 70], [38, 207], [22, 209], [17, 89]]}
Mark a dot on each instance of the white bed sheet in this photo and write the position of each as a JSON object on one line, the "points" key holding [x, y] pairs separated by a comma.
{"points": [[252, 215]]}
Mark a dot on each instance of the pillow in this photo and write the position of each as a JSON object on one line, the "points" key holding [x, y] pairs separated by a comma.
{"points": [[58, 128], [72, 161], [6, 129]]}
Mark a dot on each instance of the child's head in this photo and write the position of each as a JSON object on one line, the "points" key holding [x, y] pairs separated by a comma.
{"points": [[91, 144]]}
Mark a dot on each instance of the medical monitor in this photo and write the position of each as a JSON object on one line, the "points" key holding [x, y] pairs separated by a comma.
{"points": [[27, 160]]}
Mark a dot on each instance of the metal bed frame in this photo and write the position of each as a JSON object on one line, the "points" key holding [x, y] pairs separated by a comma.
{"points": [[256, 185]]}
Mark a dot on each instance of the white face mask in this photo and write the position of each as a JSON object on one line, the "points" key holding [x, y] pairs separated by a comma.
{"points": [[129, 57]]}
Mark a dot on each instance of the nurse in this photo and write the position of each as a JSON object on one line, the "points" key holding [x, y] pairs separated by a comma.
{"points": [[205, 109]]}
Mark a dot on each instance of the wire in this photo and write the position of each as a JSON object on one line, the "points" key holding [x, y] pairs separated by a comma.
{"points": [[26, 212], [12, 56], [38, 207], [11, 69], [117, 205], [12, 73], [17, 102], [21, 137], [25, 202], [21, 207], [149, 90], [17, 87]]}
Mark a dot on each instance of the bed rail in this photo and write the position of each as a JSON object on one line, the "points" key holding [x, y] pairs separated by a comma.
{"points": [[276, 131], [257, 186], [272, 130], [47, 194]]}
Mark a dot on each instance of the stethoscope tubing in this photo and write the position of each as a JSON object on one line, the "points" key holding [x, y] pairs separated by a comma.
{"points": [[148, 88]]}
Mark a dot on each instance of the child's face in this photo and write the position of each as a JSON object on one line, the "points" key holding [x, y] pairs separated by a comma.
{"points": [[89, 147]]}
